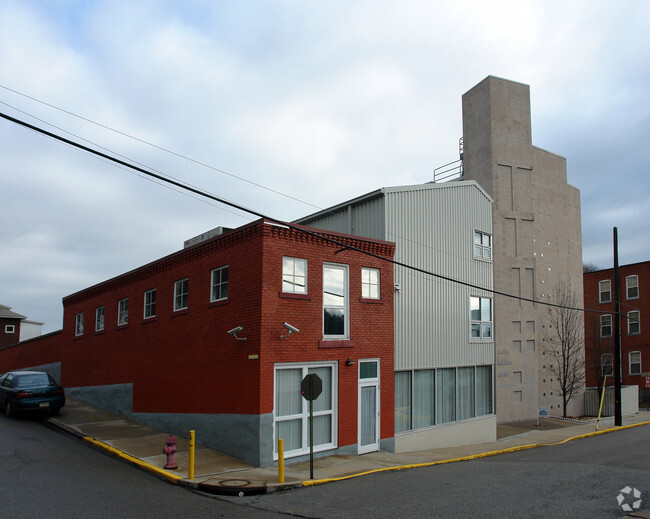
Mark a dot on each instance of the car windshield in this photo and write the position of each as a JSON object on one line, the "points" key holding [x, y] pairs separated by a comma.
{"points": [[32, 380]]}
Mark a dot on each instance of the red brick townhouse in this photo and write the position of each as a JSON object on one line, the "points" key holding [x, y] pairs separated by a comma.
{"points": [[218, 336], [634, 296]]}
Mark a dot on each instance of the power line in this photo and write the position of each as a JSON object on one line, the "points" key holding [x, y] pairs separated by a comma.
{"points": [[322, 236], [161, 148]]}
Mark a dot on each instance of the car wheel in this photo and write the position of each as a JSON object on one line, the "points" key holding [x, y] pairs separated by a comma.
{"points": [[9, 410]]}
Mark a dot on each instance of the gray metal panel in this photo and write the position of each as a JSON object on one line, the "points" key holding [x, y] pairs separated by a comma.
{"points": [[434, 229]]}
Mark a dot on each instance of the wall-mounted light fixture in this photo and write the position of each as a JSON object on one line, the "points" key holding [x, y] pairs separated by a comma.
{"points": [[235, 331], [290, 329], [349, 362]]}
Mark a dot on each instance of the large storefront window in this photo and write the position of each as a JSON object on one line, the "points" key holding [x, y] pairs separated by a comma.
{"points": [[291, 410], [435, 396]]}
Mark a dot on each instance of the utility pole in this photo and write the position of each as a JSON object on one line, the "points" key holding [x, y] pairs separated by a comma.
{"points": [[618, 419]]}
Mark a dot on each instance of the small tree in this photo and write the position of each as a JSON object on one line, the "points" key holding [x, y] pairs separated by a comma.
{"points": [[589, 267], [565, 343]]}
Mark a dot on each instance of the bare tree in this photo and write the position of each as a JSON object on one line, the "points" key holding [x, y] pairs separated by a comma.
{"points": [[565, 343], [589, 267]]}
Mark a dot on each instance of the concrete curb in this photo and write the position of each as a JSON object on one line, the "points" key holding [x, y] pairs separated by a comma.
{"points": [[471, 457]]}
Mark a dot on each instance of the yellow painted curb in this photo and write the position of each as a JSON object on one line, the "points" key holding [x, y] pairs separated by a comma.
{"points": [[147, 466], [313, 482]]}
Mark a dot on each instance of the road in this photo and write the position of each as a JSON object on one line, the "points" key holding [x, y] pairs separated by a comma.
{"points": [[44, 472]]}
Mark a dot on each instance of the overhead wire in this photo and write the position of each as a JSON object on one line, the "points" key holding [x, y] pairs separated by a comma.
{"points": [[324, 235]]}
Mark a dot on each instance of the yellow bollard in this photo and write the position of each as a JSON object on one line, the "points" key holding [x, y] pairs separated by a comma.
{"points": [[280, 460], [190, 474], [602, 399]]}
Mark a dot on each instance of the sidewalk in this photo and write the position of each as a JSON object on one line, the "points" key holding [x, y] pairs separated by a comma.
{"points": [[218, 473]]}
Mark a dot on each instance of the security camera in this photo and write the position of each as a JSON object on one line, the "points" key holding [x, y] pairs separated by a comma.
{"points": [[235, 331], [290, 328]]}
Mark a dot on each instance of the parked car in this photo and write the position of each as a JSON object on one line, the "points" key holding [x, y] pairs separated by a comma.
{"points": [[30, 391]]}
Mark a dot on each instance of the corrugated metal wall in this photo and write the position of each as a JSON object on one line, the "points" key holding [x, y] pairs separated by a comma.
{"points": [[433, 226]]}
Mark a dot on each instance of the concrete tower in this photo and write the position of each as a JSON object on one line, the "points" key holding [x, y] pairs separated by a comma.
{"points": [[536, 243]]}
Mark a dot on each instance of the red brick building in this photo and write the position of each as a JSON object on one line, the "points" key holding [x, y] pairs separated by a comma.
{"points": [[217, 337], [634, 283]]}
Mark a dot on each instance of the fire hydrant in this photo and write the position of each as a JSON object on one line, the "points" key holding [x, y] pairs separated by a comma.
{"points": [[170, 451]]}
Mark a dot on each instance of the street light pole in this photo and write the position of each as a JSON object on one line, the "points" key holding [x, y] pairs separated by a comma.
{"points": [[618, 419]]}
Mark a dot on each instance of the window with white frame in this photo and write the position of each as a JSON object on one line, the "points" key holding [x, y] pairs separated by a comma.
{"points": [[150, 297], [336, 322], [294, 275], [606, 325], [635, 362], [123, 311], [181, 288], [632, 287], [605, 291], [428, 397], [607, 364], [481, 317], [482, 245], [219, 284], [10, 328], [634, 322], [79, 324], [370, 283], [291, 411], [99, 319]]}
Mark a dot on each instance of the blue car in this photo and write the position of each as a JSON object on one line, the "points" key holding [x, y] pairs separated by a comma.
{"points": [[30, 391]]}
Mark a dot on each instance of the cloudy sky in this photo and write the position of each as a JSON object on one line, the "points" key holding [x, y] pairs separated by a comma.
{"points": [[286, 107]]}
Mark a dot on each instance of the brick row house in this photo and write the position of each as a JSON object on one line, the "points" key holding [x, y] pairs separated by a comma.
{"points": [[634, 297], [218, 336]]}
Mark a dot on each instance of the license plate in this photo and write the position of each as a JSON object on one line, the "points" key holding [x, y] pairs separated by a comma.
{"points": [[44, 404]]}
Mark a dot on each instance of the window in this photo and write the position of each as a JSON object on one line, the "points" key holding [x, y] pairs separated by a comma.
{"points": [[335, 301], [430, 397], [607, 364], [180, 294], [606, 325], [481, 317], [370, 283], [10, 328], [632, 287], [604, 291], [635, 363], [634, 322], [79, 324], [99, 318], [219, 284], [291, 411], [294, 275], [482, 245], [150, 304], [123, 311]]}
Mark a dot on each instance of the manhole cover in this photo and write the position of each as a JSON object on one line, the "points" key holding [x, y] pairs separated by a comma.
{"points": [[234, 483]]}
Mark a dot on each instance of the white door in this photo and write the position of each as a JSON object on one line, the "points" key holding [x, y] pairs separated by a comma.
{"points": [[368, 406]]}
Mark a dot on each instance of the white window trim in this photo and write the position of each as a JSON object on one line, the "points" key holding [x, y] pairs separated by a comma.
{"points": [[370, 284], [482, 247], [634, 320], [212, 284], [627, 287], [79, 324], [346, 305], [123, 313], [10, 328], [146, 305], [100, 324], [178, 284], [305, 409], [629, 357], [481, 323], [306, 263], [600, 291], [369, 382], [611, 325]]}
